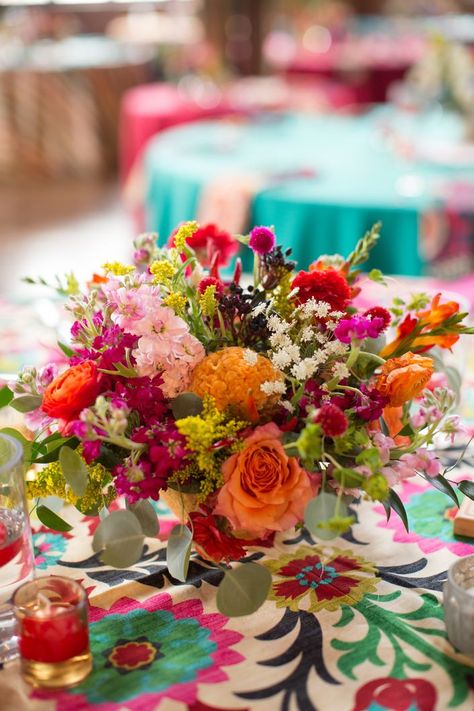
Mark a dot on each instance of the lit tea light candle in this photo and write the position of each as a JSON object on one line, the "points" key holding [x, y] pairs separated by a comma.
{"points": [[458, 593], [53, 632]]}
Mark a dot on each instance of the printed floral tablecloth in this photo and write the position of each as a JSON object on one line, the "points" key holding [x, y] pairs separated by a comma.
{"points": [[353, 624]]}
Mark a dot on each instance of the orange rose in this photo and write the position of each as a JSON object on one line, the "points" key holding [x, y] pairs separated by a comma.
{"points": [[72, 391], [264, 489], [404, 378]]}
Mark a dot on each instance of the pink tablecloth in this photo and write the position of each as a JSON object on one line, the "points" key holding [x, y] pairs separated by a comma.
{"points": [[368, 65], [146, 110]]}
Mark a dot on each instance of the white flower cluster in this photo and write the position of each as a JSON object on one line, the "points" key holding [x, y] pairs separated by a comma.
{"points": [[299, 346]]}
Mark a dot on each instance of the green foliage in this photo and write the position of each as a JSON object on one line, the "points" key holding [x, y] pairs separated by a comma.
{"points": [[364, 246], [74, 470], [319, 511], [396, 504], [309, 444], [370, 458], [6, 396], [186, 405], [26, 403], [243, 590], [179, 551], [377, 276], [147, 517], [119, 539], [52, 520], [347, 478], [466, 487]]}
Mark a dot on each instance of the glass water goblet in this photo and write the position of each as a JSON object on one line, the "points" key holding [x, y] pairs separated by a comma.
{"points": [[16, 548]]}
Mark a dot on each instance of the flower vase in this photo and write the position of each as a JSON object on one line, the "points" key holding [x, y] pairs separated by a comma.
{"points": [[179, 503]]}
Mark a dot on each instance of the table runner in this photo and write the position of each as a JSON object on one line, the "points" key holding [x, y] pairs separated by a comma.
{"points": [[350, 624]]}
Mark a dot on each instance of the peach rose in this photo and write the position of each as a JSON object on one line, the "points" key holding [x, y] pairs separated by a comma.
{"points": [[264, 489], [72, 391], [404, 378]]}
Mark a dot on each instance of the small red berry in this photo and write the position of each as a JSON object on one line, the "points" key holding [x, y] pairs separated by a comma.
{"points": [[332, 420]]}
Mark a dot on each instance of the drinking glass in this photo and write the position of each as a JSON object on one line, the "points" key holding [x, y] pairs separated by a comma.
{"points": [[53, 631], [458, 597], [16, 549]]}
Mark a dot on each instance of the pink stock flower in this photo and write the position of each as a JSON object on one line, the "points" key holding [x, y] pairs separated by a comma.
{"points": [[384, 444], [132, 306], [422, 461], [397, 472]]}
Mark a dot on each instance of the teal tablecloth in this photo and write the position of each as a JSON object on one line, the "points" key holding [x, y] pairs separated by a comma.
{"points": [[358, 177]]}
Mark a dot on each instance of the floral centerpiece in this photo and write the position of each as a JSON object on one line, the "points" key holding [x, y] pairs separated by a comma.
{"points": [[250, 408]]}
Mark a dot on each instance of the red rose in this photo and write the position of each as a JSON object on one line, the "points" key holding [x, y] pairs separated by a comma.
{"points": [[214, 543], [72, 391], [326, 285]]}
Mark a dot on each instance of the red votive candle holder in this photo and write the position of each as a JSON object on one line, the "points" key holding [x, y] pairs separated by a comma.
{"points": [[53, 632]]}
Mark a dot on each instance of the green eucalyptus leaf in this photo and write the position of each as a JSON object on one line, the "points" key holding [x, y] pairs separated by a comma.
{"points": [[74, 470], [186, 405], [119, 539], [466, 487], [397, 505], [146, 514], [6, 396], [243, 590], [319, 511], [26, 443], [178, 551], [52, 520], [26, 403]]}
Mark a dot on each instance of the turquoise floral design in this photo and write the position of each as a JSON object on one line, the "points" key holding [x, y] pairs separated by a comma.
{"points": [[146, 651], [49, 548], [430, 514]]}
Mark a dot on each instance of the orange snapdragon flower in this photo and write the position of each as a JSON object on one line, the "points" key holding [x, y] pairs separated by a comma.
{"points": [[404, 378], [432, 318]]}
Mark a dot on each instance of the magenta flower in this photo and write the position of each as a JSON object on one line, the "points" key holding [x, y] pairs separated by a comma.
{"points": [[261, 240], [357, 328]]}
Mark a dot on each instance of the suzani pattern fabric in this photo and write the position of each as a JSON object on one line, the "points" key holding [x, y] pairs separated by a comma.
{"points": [[353, 624]]}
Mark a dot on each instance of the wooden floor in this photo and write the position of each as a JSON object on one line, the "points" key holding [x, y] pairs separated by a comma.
{"points": [[51, 229]]}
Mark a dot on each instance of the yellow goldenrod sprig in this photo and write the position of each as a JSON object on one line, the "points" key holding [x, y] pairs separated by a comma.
{"points": [[163, 272], [175, 301], [117, 268], [208, 301], [184, 232], [203, 432]]}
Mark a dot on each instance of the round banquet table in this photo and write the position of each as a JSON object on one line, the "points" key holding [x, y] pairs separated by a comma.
{"points": [[355, 624], [149, 109], [59, 106], [322, 181]]}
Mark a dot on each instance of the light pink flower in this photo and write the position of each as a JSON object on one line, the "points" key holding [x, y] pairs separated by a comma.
{"points": [[423, 461], [384, 444], [133, 305], [397, 472]]}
